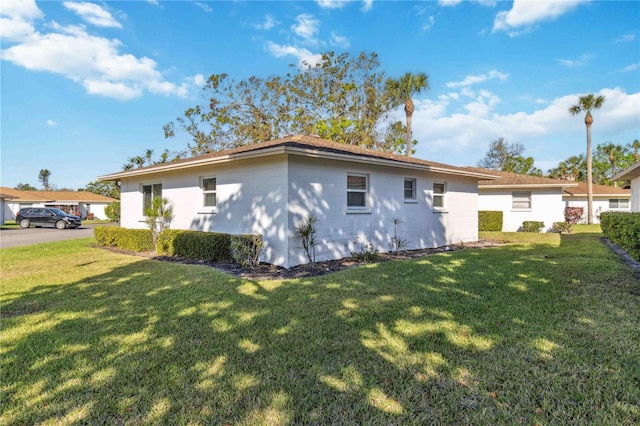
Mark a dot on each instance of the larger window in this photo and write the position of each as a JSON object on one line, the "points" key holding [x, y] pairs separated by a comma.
{"points": [[618, 203], [521, 200], [149, 192], [209, 192], [439, 191], [357, 189]]}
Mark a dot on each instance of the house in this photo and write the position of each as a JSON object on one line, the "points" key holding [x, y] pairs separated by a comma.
{"points": [[523, 198], [632, 174], [271, 187], [80, 203], [605, 198]]}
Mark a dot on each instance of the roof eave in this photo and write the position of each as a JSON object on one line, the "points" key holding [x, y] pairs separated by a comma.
{"points": [[522, 185], [628, 173]]}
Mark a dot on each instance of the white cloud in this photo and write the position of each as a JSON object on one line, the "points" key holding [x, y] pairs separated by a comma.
{"points": [[426, 25], [332, 4], [449, 3], [269, 22], [625, 38], [524, 14], [632, 67], [304, 56], [51, 123], [475, 79], [93, 14], [203, 6], [154, 2], [366, 5], [582, 60], [16, 19], [547, 133], [339, 41], [94, 62], [306, 26]]}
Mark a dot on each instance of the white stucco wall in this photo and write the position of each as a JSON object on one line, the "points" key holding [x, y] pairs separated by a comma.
{"points": [[635, 194], [320, 187], [546, 206], [271, 196], [600, 205]]}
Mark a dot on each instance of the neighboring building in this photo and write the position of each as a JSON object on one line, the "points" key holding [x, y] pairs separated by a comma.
{"points": [[269, 188], [523, 198], [80, 203], [605, 198], [632, 175]]}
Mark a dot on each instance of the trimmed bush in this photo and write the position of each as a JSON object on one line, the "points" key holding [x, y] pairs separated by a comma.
{"points": [[246, 249], [561, 227], [198, 245], [532, 226], [489, 220], [112, 211], [123, 238], [623, 229]]}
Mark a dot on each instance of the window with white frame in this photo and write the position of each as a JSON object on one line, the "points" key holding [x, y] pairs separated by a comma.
{"points": [[618, 203], [521, 200], [149, 192], [209, 192], [439, 191], [357, 190], [409, 189]]}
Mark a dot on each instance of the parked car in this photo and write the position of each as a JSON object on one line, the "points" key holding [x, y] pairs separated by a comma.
{"points": [[46, 216]]}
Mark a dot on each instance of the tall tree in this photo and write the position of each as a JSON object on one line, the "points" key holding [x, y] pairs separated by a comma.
{"points": [[613, 152], [148, 156], [573, 168], [43, 177], [587, 104], [507, 157], [402, 91], [342, 98], [108, 189], [635, 145]]}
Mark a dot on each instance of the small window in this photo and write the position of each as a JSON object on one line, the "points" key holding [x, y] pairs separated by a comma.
{"points": [[357, 188], [149, 192], [409, 189], [209, 192], [521, 200], [439, 190], [618, 203]]}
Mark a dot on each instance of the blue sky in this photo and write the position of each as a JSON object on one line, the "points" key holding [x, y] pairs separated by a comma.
{"points": [[86, 85]]}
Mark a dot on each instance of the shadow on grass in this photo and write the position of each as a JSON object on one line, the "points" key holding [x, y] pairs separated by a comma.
{"points": [[505, 335]]}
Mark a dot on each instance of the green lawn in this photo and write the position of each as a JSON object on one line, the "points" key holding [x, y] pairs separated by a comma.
{"points": [[543, 332]]}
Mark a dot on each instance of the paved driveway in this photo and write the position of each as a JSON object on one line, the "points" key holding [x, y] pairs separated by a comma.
{"points": [[14, 237]]}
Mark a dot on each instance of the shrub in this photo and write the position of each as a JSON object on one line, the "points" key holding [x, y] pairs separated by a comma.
{"points": [[573, 215], [532, 226], [246, 249], [306, 234], [623, 229], [489, 220], [126, 239], [561, 227], [112, 211], [198, 245]]}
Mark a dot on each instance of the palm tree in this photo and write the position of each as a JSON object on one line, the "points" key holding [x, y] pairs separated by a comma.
{"points": [[402, 90], [43, 177], [614, 152], [636, 147], [586, 104], [148, 155]]}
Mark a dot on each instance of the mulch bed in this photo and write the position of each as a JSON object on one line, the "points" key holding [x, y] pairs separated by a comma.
{"points": [[266, 271]]}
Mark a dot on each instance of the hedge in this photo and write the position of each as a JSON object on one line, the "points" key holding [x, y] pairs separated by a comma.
{"points": [[532, 226], [623, 229], [125, 239], [489, 220], [193, 245]]}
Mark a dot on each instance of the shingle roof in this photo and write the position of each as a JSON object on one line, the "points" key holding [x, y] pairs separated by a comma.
{"points": [[508, 179], [581, 190], [59, 196], [300, 143]]}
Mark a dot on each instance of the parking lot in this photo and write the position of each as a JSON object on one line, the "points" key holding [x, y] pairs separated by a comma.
{"points": [[15, 237]]}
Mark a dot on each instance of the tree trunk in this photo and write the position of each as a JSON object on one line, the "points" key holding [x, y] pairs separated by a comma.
{"points": [[408, 109], [588, 120]]}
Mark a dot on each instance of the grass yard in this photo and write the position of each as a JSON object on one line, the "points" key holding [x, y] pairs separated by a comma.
{"points": [[545, 331]]}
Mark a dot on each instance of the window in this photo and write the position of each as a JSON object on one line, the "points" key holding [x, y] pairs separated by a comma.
{"points": [[409, 189], [618, 203], [149, 192], [521, 200], [439, 189], [357, 188], [209, 192]]}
